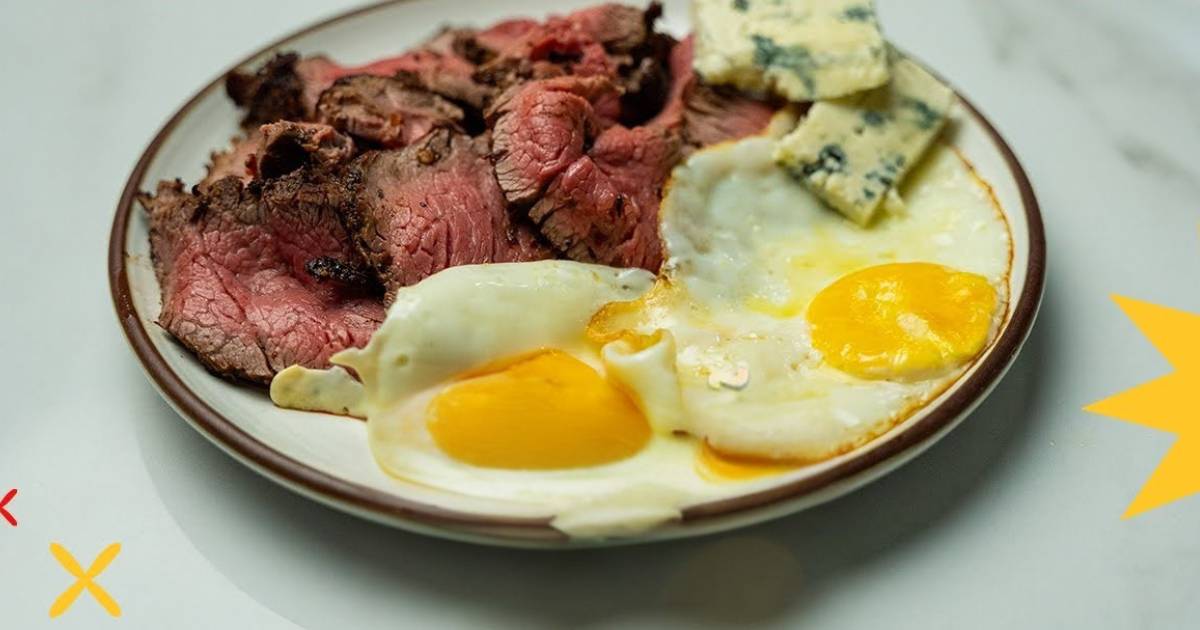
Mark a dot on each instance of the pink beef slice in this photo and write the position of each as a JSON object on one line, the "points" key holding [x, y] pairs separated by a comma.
{"points": [[604, 207], [232, 264], [592, 186], [432, 205], [542, 127], [385, 111]]}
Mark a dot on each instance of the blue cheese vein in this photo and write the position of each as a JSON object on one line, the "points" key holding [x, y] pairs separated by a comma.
{"points": [[853, 152], [801, 50]]}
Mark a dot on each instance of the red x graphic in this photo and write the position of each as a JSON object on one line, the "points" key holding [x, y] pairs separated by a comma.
{"points": [[3, 512]]}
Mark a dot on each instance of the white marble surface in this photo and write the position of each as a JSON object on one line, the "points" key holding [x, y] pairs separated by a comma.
{"points": [[1012, 521]]}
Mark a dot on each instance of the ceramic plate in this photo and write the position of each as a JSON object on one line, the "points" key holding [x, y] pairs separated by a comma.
{"points": [[327, 459]]}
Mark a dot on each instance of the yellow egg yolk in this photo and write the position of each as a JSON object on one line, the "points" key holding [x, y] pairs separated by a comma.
{"points": [[714, 464], [902, 320], [545, 411]]}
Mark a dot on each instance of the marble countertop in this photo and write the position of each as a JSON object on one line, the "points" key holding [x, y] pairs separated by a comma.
{"points": [[1011, 521]]}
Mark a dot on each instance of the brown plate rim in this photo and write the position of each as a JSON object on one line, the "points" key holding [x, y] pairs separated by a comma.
{"points": [[308, 480]]}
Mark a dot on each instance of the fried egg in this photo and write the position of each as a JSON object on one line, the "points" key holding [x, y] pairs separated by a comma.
{"points": [[800, 335], [482, 381]]}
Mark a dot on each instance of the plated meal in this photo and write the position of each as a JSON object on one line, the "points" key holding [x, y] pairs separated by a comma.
{"points": [[597, 276]]}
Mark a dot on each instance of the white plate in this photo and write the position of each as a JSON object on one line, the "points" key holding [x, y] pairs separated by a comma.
{"points": [[326, 458]]}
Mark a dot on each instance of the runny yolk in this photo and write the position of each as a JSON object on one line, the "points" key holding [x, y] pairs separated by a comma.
{"points": [[546, 411], [902, 320], [717, 465]]}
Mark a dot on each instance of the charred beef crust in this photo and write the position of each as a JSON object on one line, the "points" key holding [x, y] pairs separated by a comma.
{"points": [[288, 87], [288, 146], [465, 45], [273, 92], [647, 80], [646, 83], [330, 269], [278, 148]]}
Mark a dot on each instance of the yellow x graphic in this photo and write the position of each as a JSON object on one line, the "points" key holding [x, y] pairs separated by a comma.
{"points": [[85, 579]]}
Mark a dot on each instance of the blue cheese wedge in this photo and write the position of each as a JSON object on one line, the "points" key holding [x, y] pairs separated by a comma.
{"points": [[801, 50], [853, 152]]}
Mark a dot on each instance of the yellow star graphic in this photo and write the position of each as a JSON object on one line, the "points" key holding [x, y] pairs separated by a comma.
{"points": [[1168, 403]]}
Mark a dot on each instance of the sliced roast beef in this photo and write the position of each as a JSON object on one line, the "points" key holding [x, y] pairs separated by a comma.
{"points": [[288, 146], [287, 87], [593, 186], [619, 28], [231, 261], [562, 42], [446, 65], [432, 205], [522, 141], [613, 41], [601, 41], [709, 114], [385, 111], [494, 40], [273, 92], [542, 127], [351, 274], [449, 76], [616, 27], [277, 149], [604, 207], [443, 73], [239, 160], [645, 89], [713, 114]]}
